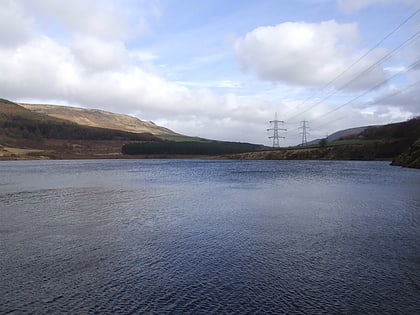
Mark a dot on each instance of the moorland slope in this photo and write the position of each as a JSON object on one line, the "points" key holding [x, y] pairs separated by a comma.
{"points": [[25, 134], [99, 118]]}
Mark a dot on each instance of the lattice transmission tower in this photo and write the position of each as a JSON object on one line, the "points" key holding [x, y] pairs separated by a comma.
{"points": [[305, 130], [275, 123]]}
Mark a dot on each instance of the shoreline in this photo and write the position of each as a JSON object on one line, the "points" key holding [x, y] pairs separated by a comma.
{"points": [[347, 153]]}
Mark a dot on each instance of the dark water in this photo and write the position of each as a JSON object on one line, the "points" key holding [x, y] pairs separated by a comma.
{"points": [[191, 236]]}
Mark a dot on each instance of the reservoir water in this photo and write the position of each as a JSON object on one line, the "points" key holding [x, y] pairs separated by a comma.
{"points": [[209, 237]]}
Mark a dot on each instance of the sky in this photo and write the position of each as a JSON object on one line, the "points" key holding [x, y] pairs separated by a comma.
{"points": [[218, 69]]}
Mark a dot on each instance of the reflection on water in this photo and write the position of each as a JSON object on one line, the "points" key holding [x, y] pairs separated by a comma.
{"points": [[191, 236]]}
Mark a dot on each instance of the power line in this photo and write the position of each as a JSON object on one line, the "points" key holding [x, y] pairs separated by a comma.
{"points": [[395, 93], [380, 60], [373, 47], [357, 61], [409, 68], [360, 74], [381, 99], [413, 65], [363, 72], [371, 67]]}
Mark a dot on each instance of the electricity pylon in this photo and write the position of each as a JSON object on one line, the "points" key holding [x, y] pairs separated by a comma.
{"points": [[304, 132], [275, 130]]}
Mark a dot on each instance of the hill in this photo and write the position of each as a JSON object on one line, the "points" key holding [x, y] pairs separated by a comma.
{"points": [[52, 131], [28, 134], [398, 142], [410, 157], [341, 134], [99, 118]]}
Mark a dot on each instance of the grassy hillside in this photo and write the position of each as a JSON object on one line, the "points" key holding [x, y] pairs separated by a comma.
{"points": [[17, 122], [410, 157], [7, 107], [99, 118], [21, 128], [29, 131], [374, 143], [409, 130], [39, 132], [364, 152]]}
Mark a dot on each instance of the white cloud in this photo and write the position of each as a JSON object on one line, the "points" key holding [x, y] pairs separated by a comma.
{"points": [[15, 26], [144, 56], [91, 17], [97, 54], [44, 69], [306, 54], [405, 98], [225, 84], [39, 68], [395, 69]]}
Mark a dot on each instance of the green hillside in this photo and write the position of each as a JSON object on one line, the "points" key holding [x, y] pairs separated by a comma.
{"points": [[410, 157], [18, 124], [25, 134], [398, 142]]}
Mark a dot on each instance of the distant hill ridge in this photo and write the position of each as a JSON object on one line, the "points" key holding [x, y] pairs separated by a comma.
{"points": [[342, 134], [26, 134], [99, 118], [399, 142], [8, 107], [57, 132]]}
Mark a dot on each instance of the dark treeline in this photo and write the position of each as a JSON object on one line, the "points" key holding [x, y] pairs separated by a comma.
{"points": [[189, 148], [36, 126], [409, 130], [409, 158], [387, 141]]}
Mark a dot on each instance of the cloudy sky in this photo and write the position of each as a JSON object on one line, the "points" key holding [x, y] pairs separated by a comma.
{"points": [[218, 69]]}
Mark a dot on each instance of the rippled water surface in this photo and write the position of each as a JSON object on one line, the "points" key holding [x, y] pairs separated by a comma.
{"points": [[192, 236]]}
